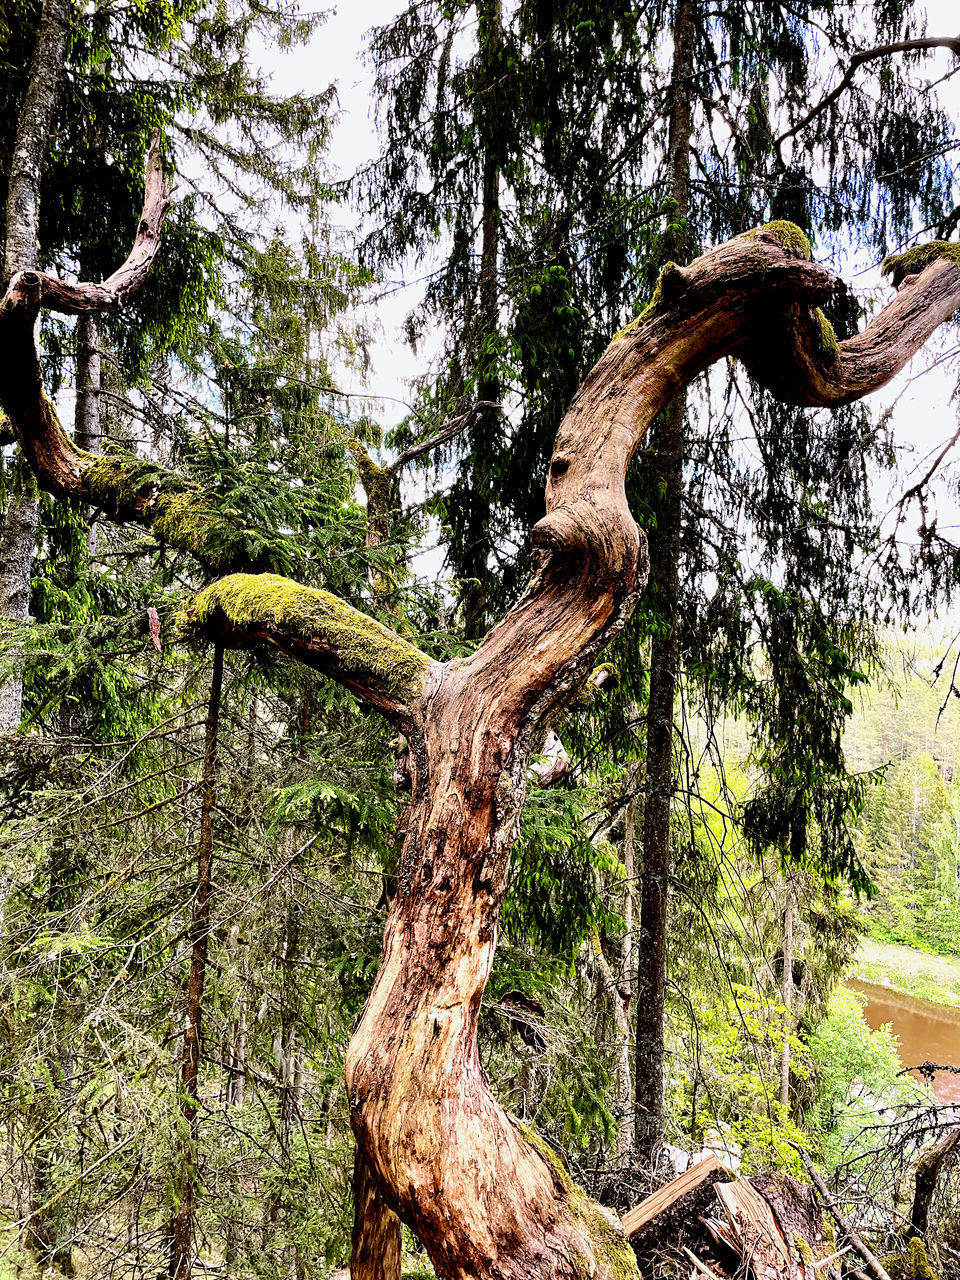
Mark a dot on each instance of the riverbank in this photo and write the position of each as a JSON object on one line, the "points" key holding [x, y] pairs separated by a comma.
{"points": [[914, 973]]}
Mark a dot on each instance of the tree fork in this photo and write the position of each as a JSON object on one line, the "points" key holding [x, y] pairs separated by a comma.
{"points": [[487, 1198]]}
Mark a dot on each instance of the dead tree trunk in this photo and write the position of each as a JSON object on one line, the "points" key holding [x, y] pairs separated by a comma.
{"points": [[487, 1198], [926, 1175]]}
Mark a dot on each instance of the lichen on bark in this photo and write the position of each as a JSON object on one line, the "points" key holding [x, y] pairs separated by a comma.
{"points": [[247, 601]]}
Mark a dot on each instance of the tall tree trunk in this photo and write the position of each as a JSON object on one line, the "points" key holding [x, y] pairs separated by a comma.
{"points": [[18, 540], [665, 655], [787, 995], [476, 546], [182, 1223]]}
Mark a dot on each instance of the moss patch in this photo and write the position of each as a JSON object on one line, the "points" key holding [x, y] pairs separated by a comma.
{"points": [[802, 1247], [184, 517], [790, 236], [827, 342], [912, 261], [670, 284], [377, 481], [912, 1265], [611, 1249], [359, 643]]}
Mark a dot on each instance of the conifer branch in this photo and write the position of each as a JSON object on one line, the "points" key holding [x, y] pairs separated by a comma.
{"points": [[857, 61]]}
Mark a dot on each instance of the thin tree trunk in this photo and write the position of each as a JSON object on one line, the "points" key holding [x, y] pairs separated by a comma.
{"points": [[787, 996], [622, 1074], [489, 390], [18, 540], [665, 552], [182, 1223], [17, 543]]}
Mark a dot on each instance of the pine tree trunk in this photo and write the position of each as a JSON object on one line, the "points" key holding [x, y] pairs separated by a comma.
{"points": [[665, 553], [787, 995], [18, 541], [182, 1226], [476, 544]]}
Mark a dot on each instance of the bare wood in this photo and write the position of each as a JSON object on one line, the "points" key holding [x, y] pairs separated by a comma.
{"points": [[700, 1266], [41, 290], [636, 1219], [762, 1242], [55, 460], [845, 1226]]}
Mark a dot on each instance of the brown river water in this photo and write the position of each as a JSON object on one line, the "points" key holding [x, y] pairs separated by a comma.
{"points": [[927, 1032]]}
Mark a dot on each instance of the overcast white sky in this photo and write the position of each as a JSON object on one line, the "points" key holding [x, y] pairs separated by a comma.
{"points": [[924, 416]]}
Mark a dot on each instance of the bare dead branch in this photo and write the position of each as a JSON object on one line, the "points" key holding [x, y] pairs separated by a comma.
{"points": [[852, 1235]]}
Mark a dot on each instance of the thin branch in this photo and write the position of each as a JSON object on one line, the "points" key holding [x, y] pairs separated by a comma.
{"points": [[858, 59]]}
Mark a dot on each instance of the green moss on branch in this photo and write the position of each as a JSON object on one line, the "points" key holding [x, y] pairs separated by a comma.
{"points": [[911, 262], [790, 236], [130, 488], [826, 337], [322, 624]]}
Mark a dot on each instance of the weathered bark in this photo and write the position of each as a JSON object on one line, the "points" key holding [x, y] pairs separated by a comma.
{"points": [[485, 1197], [182, 1222], [926, 1175], [787, 996], [664, 656], [377, 1245]]}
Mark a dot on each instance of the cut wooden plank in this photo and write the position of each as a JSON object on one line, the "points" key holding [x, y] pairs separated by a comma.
{"points": [[764, 1246], [636, 1219]]}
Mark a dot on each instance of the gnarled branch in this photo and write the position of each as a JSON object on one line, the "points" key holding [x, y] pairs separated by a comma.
{"points": [[319, 630]]}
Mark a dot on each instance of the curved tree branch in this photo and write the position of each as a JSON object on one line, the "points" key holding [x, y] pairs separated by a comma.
{"points": [[487, 1198], [318, 629]]}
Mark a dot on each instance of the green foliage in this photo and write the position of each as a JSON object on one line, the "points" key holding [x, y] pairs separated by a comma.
{"points": [[856, 1073]]}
